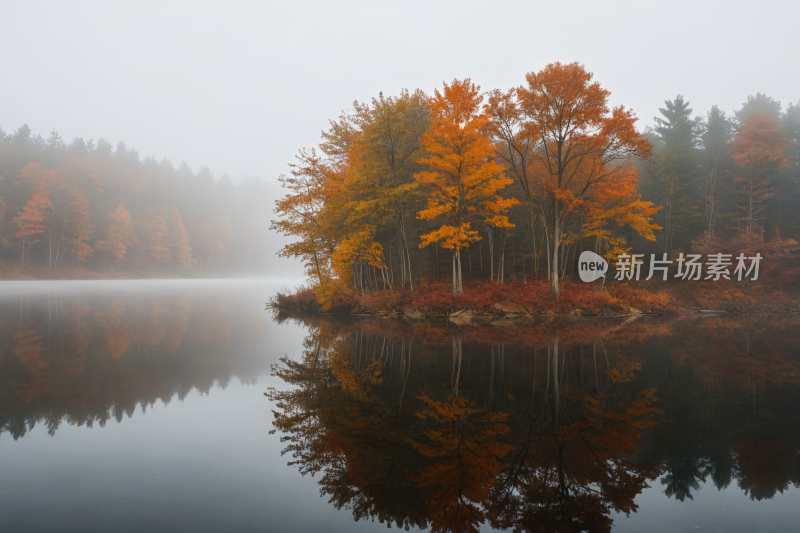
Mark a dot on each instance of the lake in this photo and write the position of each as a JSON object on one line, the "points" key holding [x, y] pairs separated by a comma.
{"points": [[188, 406]]}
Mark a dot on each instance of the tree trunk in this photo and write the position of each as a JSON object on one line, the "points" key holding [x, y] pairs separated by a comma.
{"points": [[513, 258], [556, 240], [391, 266], [410, 276], [533, 240], [455, 282], [458, 260], [547, 253], [490, 236], [502, 266], [402, 258], [405, 253]]}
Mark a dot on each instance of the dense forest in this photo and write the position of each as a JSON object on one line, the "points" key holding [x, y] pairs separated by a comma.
{"points": [[89, 209], [412, 189]]}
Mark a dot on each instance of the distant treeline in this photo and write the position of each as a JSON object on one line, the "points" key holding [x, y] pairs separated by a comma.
{"points": [[95, 208], [516, 183], [720, 175]]}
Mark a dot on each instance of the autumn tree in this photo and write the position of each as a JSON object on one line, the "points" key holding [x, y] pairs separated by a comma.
{"points": [[516, 144], [109, 175], [617, 199], [370, 156], [31, 221], [5, 232], [300, 214], [757, 151], [181, 253], [31, 175], [388, 143], [158, 248], [358, 252], [790, 123], [118, 235], [464, 184], [79, 227], [582, 140]]}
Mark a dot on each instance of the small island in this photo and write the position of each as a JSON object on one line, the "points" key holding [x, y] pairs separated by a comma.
{"points": [[475, 205]]}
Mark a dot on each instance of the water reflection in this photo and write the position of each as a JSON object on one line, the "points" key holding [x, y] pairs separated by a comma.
{"points": [[555, 426], [85, 354]]}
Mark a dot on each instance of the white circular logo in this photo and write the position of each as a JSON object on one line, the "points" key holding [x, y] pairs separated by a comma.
{"points": [[591, 266]]}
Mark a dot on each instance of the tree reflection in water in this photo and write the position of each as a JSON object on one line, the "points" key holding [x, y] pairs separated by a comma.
{"points": [[88, 356], [538, 427]]}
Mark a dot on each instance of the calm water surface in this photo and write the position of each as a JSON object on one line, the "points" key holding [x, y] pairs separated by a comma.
{"points": [[141, 405]]}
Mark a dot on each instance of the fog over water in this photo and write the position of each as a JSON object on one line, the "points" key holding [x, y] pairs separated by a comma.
{"points": [[133, 404], [163, 367]]}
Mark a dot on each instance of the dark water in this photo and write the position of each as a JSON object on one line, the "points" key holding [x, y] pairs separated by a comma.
{"points": [[140, 405]]}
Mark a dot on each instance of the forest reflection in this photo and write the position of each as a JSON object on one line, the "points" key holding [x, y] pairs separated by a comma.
{"points": [[539, 427], [87, 356]]}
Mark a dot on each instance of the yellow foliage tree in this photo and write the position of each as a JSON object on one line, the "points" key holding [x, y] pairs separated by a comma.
{"points": [[464, 183], [356, 252], [300, 214]]}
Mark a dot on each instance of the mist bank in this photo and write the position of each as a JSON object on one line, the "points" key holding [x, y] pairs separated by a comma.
{"points": [[86, 210]]}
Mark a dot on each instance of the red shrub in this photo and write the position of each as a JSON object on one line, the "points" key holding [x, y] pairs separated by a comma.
{"points": [[302, 299]]}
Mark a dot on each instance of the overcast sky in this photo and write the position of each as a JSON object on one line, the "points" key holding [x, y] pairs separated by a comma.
{"points": [[241, 86]]}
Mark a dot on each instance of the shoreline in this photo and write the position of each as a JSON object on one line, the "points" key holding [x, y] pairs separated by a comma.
{"points": [[487, 301]]}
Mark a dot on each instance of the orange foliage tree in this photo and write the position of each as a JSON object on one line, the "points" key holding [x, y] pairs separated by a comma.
{"points": [[758, 151], [157, 240], [4, 229], [464, 183], [79, 227], [118, 235], [582, 142], [617, 199], [31, 221], [516, 144]]}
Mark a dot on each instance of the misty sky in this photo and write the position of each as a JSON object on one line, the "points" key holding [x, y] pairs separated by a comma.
{"points": [[241, 86]]}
